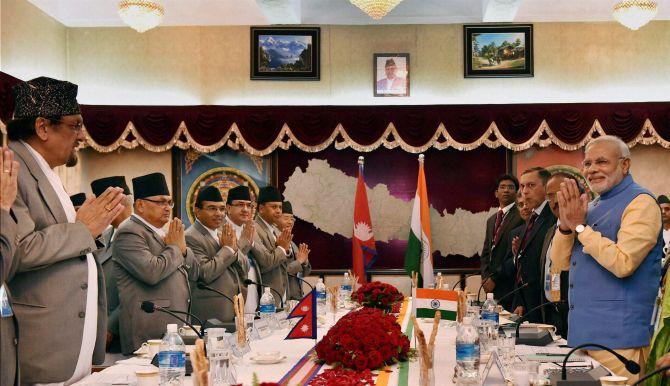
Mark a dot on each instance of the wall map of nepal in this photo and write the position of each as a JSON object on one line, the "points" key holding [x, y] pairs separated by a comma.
{"points": [[323, 200]]}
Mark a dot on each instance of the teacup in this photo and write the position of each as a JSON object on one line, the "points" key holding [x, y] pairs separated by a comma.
{"points": [[147, 377], [186, 330], [267, 355], [151, 346], [612, 380]]}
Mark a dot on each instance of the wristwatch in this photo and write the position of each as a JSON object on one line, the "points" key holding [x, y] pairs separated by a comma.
{"points": [[580, 228]]}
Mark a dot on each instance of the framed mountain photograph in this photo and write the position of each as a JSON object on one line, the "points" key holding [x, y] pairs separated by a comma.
{"points": [[285, 53], [498, 51]]}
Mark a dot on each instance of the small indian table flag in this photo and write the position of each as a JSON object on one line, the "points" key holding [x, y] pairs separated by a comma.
{"points": [[426, 302]]}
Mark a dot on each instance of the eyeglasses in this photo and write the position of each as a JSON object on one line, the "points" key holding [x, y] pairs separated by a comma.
{"points": [[242, 205], [168, 203], [506, 187], [74, 126], [221, 209], [599, 162]]}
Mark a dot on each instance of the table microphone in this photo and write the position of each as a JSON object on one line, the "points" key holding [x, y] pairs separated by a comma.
{"points": [[465, 278], [302, 280], [281, 299], [150, 307], [631, 366], [512, 292], [544, 337], [484, 279], [205, 287], [659, 370]]}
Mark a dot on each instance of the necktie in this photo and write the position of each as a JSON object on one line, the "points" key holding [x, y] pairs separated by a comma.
{"points": [[498, 227], [522, 245]]}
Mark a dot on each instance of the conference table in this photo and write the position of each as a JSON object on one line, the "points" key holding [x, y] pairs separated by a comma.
{"points": [[297, 368]]}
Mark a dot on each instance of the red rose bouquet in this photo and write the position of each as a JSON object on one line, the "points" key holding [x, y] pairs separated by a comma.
{"points": [[343, 377], [364, 339], [377, 295]]}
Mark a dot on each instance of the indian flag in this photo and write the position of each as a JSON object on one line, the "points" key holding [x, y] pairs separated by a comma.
{"points": [[418, 257], [429, 301]]}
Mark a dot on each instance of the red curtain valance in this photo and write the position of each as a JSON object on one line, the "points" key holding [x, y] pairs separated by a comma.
{"points": [[260, 130]]}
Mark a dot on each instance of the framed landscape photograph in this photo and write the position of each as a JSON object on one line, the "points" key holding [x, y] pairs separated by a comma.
{"points": [[498, 51], [285, 53], [391, 75]]}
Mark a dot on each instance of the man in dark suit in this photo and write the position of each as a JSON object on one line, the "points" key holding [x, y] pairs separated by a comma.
{"points": [[533, 185], [221, 255], [552, 278], [496, 242], [104, 256]]}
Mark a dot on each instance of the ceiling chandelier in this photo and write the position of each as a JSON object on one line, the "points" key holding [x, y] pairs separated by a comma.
{"points": [[377, 9], [141, 15], [634, 13]]}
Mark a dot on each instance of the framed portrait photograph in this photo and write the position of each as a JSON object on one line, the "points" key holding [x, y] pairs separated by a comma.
{"points": [[391, 75], [498, 51], [285, 53]]}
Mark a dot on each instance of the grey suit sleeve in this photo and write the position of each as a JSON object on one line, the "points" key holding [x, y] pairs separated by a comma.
{"points": [[51, 244], [8, 237], [113, 321], [192, 265], [267, 260], [211, 267], [131, 251]]}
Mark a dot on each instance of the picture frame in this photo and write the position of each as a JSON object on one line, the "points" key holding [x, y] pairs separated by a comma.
{"points": [[285, 53], [498, 51], [395, 65]]}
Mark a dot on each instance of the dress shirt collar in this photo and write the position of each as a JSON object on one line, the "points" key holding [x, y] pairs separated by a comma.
{"points": [[212, 232], [158, 231], [507, 208], [236, 228], [539, 209]]}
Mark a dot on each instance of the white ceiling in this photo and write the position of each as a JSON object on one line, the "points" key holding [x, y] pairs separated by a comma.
{"points": [[102, 13]]}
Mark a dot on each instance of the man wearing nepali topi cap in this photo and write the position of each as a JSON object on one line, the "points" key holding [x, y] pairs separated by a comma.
{"points": [[56, 281], [220, 252], [104, 256], [151, 264]]}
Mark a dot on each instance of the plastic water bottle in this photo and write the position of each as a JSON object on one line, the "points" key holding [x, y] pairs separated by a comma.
{"points": [[467, 353], [345, 290], [267, 305], [320, 297], [171, 358], [490, 310]]}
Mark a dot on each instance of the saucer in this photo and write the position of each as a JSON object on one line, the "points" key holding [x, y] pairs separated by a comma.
{"points": [[267, 360]]}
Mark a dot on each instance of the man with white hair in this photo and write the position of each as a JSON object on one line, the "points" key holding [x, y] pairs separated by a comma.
{"points": [[612, 248]]}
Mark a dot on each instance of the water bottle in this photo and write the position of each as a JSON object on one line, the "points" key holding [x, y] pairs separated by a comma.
{"points": [[321, 297], [267, 305], [171, 358], [345, 290], [467, 353], [490, 310]]}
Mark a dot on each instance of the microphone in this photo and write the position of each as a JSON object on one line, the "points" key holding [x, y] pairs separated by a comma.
{"points": [[150, 307], [205, 287], [512, 292], [631, 366], [527, 314], [659, 370], [484, 279], [463, 279], [281, 300], [302, 280]]}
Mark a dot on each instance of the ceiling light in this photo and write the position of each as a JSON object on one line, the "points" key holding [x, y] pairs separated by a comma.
{"points": [[141, 15], [634, 13], [377, 9]]}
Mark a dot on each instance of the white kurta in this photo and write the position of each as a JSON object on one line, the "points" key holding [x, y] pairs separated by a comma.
{"points": [[85, 359]]}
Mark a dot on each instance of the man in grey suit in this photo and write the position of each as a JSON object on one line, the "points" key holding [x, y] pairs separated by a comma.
{"points": [[58, 289], [223, 265], [150, 264], [104, 257], [9, 170], [273, 246], [298, 265]]}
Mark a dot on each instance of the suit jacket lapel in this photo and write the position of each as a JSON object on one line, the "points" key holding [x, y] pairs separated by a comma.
{"points": [[44, 186], [538, 223], [154, 234], [213, 244]]}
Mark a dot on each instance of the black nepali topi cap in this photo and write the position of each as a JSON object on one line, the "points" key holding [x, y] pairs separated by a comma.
{"points": [[286, 207], [269, 194], [240, 192], [78, 199], [100, 185], [45, 97], [208, 193], [150, 185], [663, 199]]}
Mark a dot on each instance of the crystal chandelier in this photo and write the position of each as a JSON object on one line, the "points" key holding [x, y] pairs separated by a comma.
{"points": [[634, 13], [141, 15], [377, 9]]}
